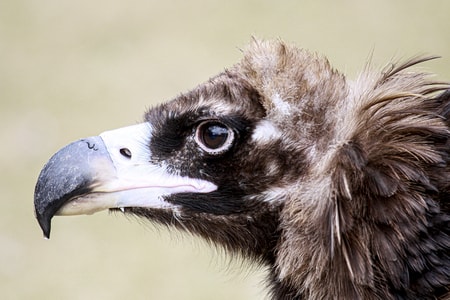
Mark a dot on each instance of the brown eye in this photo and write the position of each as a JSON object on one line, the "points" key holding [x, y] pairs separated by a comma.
{"points": [[214, 137]]}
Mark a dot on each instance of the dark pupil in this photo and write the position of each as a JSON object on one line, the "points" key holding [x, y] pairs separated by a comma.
{"points": [[214, 136]]}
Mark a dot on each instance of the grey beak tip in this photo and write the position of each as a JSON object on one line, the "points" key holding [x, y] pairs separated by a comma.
{"points": [[66, 175], [45, 226]]}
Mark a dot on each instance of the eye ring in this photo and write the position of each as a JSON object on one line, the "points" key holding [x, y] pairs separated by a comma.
{"points": [[214, 137]]}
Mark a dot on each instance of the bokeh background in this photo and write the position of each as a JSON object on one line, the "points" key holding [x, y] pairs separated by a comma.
{"points": [[70, 69]]}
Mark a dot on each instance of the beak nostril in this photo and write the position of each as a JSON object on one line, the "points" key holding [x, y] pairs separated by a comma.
{"points": [[125, 152]]}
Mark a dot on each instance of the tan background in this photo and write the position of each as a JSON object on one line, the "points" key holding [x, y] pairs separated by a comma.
{"points": [[70, 69]]}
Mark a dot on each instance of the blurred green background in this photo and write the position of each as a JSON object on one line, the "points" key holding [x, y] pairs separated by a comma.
{"points": [[70, 69]]}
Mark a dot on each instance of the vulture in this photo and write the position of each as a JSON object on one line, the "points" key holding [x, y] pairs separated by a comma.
{"points": [[341, 188]]}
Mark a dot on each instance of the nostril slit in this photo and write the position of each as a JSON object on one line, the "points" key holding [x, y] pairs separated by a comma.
{"points": [[125, 152]]}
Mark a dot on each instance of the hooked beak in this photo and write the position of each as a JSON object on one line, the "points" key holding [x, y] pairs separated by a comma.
{"points": [[112, 170]]}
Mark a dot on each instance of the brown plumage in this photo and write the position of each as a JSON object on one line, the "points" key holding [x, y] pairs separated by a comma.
{"points": [[341, 187]]}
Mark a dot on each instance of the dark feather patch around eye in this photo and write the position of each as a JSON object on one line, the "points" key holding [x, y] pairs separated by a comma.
{"points": [[170, 131]]}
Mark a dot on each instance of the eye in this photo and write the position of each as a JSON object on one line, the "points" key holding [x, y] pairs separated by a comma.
{"points": [[214, 137]]}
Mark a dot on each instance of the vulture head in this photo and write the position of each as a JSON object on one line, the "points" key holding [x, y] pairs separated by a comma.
{"points": [[341, 188]]}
